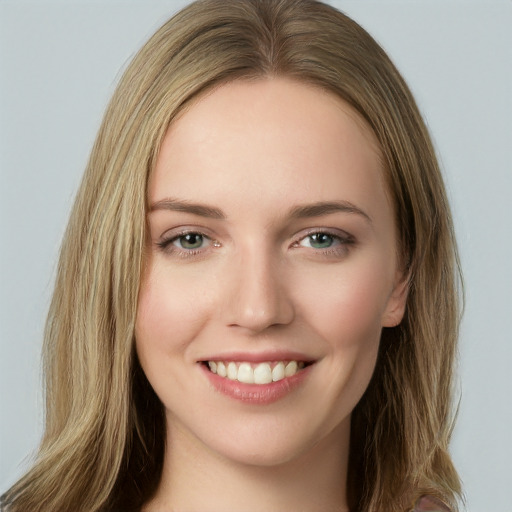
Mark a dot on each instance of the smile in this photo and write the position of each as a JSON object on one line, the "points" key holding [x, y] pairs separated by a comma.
{"points": [[252, 373]]}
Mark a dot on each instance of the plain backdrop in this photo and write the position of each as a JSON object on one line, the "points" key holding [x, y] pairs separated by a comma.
{"points": [[59, 63]]}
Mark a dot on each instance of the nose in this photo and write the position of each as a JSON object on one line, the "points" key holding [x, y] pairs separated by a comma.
{"points": [[259, 296]]}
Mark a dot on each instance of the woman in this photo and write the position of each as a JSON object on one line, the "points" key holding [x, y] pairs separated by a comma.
{"points": [[256, 302]]}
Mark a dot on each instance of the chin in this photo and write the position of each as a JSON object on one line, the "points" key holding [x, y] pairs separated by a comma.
{"points": [[264, 455], [275, 443]]}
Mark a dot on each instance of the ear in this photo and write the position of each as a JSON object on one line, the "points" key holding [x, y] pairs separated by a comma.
{"points": [[395, 308]]}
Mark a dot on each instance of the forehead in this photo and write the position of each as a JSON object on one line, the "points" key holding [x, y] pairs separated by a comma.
{"points": [[270, 139]]}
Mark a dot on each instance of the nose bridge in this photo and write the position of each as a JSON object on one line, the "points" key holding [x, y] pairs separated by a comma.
{"points": [[259, 297]]}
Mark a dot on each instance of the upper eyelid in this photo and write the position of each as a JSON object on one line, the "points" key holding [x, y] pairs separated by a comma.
{"points": [[334, 232], [326, 233], [173, 233], [165, 242]]}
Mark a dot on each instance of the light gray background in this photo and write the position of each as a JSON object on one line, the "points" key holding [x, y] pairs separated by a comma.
{"points": [[59, 64]]}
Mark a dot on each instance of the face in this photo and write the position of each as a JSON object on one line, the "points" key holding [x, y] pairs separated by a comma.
{"points": [[271, 270]]}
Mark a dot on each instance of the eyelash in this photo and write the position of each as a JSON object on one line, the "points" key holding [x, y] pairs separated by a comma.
{"points": [[342, 243], [167, 244]]}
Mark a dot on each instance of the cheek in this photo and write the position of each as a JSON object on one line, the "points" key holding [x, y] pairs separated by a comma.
{"points": [[348, 309], [345, 314], [168, 317]]}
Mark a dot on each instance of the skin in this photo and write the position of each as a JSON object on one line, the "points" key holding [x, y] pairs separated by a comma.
{"points": [[257, 150]]}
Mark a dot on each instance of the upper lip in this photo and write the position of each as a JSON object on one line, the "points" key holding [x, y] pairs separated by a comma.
{"points": [[259, 357]]}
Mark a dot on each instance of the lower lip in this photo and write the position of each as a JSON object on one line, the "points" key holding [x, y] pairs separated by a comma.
{"points": [[256, 393]]}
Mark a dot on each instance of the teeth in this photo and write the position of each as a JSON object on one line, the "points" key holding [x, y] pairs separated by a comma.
{"points": [[232, 371], [262, 373], [290, 369], [245, 374], [221, 370], [278, 372]]}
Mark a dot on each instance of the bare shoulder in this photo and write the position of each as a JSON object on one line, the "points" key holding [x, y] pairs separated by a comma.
{"points": [[430, 504]]}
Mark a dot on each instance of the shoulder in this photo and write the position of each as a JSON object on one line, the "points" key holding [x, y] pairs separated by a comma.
{"points": [[430, 504]]}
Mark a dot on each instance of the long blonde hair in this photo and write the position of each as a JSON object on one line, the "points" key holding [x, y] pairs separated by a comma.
{"points": [[104, 437]]}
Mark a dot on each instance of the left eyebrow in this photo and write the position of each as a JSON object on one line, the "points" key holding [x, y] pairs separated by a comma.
{"points": [[327, 208]]}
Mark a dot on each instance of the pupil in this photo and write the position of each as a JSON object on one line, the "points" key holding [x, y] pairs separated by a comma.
{"points": [[321, 240], [192, 241]]}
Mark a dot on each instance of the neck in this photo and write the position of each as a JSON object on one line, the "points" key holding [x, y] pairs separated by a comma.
{"points": [[196, 479]]}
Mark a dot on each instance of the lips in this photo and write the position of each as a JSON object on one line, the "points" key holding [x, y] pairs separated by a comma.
{"points": [[257, 379]]}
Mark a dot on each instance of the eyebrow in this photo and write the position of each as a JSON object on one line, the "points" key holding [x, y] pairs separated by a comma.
{"points": [[327, 208], [176, 205], [299, 212]]}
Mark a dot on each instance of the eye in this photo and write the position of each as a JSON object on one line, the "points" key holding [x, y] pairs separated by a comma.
{"points": [[186, 244], [319, 240], [326, 244], [190, 241]]}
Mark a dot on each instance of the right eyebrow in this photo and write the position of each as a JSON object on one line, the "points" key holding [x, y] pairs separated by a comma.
{"points": [[176, 205]]}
